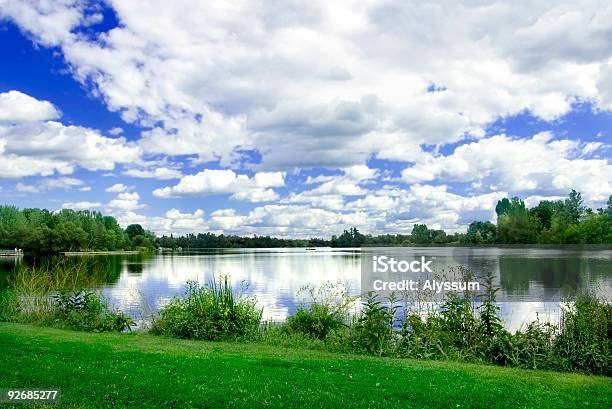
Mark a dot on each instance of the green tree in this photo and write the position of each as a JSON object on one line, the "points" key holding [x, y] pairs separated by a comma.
{"points": [[481, 232], [518, 226], [505, 206], [574, 206], [544, 212], [134, 230], [421, 234]]}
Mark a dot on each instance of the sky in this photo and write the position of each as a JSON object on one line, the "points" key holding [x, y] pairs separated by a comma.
{"points": [[303, 118]]}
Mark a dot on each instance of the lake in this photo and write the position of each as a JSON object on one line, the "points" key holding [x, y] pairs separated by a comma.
{"points": [[528, 278]]}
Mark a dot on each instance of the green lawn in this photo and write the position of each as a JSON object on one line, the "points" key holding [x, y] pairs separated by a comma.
{"points": [[142, 371]]}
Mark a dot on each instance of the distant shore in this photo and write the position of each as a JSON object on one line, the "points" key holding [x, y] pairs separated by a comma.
{"points": [[98, 253]]}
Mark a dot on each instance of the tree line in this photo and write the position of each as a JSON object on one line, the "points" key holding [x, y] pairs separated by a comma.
{"points": [[565, 221], [44, 231]]}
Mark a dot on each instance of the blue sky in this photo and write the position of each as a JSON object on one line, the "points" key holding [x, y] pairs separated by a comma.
{"points": [[301, 120]]}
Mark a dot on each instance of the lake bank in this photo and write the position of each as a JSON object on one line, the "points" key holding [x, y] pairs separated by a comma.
{"points": [[99, 253], [135, 282], [137, 370]]}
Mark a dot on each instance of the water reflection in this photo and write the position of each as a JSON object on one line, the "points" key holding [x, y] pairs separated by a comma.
{"points": [[137, 283]]}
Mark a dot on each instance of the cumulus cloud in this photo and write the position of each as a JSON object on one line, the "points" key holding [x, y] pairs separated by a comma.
{"points": [[331, 190], [81, 205], [309, 84], [537, 165], [161, 173], [214, 181], [116, 131], [16, 106], [48, 184], [30, 145], [286, 220], [191, 222], [125, 202], [174, 222], [279, 87], [116, 188]]}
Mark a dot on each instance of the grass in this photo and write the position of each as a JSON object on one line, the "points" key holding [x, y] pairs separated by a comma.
{"points": [[113, 370]]}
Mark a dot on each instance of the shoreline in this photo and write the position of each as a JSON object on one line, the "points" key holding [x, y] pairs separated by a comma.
{"points": [[99, 253]]}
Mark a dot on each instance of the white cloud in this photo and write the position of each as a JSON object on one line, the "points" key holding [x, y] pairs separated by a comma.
{"points": [[23, 188], [174, 222], [161, 173], [321, 84], [537, 165], [287, 220], [212, 181], [19, 107], [125, 202], [81, 205], [48, 184], [29, 146], [115, 131], [175, 214], [116, 188], [330, 192], [191, 222]]}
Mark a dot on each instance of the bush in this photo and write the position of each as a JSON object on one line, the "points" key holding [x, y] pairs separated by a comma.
{"points": [[55, 297], [326, 309], [88, 311], [531, 348], [82, 311], [583, 343], [210, 312], [373, 330]]}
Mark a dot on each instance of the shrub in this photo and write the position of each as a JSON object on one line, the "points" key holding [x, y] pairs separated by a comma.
{"points": [[373, 330], [585, 335], [326, 309], [209, 312], [493, 338], [531, 348], [55, 297], [421, 338], [88, 311]]}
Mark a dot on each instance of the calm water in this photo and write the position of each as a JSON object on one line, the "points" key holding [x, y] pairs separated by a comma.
{"points": [[274, 276]]}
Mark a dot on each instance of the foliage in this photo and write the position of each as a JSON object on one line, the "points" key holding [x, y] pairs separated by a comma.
{"points": [[517, 226], [134, 230], [550, 222], [325, 309], [209, 312], [39, 230], [463, 329], [559, 222], [88, 311], [373, 330], [59, 297], [481, 233], [505, 206], [585, 337], [350, 238]]}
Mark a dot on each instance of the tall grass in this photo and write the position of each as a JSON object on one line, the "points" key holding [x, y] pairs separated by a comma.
{"points": [[61, 296], [461, 329], [210, 312], [322, 309]]}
